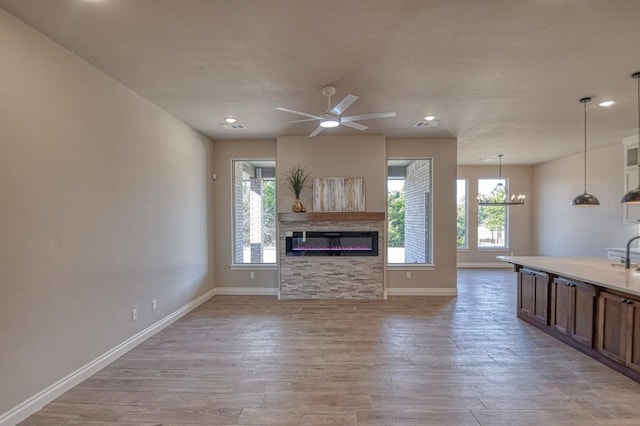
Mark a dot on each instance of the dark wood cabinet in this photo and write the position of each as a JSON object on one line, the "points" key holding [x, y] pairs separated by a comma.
{"points": [[602, 321], [533, 295], [619, 329], [573, 309]]}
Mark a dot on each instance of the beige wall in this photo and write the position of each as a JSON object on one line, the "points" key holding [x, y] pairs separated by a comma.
{"points": [[103, 207], [563, 230], [520, 238], [444, 154], [223, 153], [335, 156], [325, 156]]}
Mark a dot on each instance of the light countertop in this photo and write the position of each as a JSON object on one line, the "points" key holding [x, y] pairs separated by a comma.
{"points": [[593, 270]]}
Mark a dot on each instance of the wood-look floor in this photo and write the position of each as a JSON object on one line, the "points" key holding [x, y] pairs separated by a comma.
{"points": [[405, 361]]}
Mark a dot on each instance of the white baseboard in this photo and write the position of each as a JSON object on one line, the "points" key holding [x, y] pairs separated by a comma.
{"points": [[482, 265], [42, 398], [245, 291], [422, 291]]}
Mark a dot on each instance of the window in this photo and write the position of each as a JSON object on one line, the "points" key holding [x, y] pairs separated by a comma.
{"points": [[409, 211], [254, 218], [461, 219], [492, 220]]}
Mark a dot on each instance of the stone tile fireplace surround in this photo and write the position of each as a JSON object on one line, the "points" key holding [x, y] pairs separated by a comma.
{"points": [[331, 277]]}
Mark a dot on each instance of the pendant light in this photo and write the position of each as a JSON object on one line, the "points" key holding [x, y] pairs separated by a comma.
{"points": [[633, 196], [585, 199], [500, 196]]}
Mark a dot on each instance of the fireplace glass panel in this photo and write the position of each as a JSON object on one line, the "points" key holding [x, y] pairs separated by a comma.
{"points": [[332, 244]]}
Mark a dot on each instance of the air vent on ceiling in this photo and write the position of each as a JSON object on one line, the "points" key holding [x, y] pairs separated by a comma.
{"points": [[432, 123], [234, 126]]}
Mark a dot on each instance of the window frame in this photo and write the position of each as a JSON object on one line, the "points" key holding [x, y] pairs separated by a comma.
{"points": [[429, 264], [504, 247], [251, 266]]}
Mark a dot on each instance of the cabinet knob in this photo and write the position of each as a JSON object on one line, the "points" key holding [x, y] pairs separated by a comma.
{"points": [[627, 301]]}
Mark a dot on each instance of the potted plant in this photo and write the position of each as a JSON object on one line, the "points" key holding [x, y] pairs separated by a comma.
{"points": [[296, 178]]}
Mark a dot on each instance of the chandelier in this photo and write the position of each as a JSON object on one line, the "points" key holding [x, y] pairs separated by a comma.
{"points": [[500, 195]]}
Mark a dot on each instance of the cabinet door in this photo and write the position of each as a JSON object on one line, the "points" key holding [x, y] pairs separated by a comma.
{"points": [[633, 335], [631, 211], [582, 313], [561, 295], [526, 293], [533, 295], [541, 298], [612, 327]]}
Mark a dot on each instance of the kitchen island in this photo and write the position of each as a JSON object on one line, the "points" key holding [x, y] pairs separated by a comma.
{"points": [[592, 304]]}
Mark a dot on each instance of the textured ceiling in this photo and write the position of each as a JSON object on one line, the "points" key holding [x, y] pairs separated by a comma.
{"points": [[503, 76]]}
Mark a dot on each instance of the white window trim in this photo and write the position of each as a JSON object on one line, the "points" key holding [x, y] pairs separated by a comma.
{"points": [[411, 266], [246, 266], [254, 266]]}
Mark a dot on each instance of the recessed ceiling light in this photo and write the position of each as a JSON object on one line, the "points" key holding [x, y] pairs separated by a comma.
{"points": [[486, 160], [429, 117], [606, 103], [230, 120]]}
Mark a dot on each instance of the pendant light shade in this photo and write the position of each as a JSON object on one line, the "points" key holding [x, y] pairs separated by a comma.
{"points": [[585, 199], [633, 196]]}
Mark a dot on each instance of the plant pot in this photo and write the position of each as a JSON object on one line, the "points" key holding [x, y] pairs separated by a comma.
{"points": [[297, 206]]}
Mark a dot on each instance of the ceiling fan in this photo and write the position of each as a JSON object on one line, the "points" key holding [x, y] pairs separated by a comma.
{"points": [[332, 117]]}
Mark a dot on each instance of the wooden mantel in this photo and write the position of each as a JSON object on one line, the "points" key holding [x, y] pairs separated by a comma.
{"points": [[330, 216]]}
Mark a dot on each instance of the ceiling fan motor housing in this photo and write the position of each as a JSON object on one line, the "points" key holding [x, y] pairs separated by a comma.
{"points": [[328, 90]]}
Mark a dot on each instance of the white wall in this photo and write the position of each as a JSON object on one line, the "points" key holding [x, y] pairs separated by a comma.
{"points": [[563, 230], [103, 207]]}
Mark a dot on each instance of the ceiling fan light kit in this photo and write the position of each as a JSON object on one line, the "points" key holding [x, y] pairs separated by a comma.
{"points": [[329, 120], [633, 196], [332, 117], [585, 199]]}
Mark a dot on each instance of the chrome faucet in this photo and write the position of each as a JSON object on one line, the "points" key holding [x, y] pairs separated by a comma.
{"points": [[627, 260]]}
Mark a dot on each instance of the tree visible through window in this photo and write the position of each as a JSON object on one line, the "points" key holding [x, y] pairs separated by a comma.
{"points": [[461, 219]]}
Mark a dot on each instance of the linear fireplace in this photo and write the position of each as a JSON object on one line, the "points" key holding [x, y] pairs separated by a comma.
{"points": [[329, 243]]}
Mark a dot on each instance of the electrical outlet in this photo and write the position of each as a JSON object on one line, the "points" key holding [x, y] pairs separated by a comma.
{"points": [[252, 275], [408, 275], [134, 314], [154, 305]]}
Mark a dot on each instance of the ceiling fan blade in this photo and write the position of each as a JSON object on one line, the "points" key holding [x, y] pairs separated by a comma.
{"points": [[354, 125], [316, 131], [305, 114], [297, 121], [343, 104], [368, 116]]}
